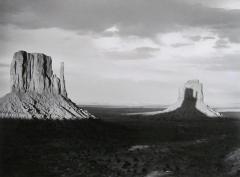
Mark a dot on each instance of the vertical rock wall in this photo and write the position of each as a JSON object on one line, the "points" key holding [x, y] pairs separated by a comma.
{"points": [[32, 72]]}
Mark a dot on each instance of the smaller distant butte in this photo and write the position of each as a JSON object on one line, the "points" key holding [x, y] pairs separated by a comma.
{"points": [[190, 104]]}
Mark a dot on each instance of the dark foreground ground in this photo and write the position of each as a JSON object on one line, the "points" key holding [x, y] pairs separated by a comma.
{"points": [[117, 146]]}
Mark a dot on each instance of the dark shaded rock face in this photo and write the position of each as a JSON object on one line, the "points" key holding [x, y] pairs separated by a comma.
{"points": [[189, 100], [36, 91], [188, 107], [188, 95]]}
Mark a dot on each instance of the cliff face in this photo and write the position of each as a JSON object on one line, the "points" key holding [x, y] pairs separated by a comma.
{"points": [[36, 91], [32, 72]]}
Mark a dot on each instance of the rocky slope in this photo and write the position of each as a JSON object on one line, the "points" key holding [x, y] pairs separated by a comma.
{"points": [[36, 92]]}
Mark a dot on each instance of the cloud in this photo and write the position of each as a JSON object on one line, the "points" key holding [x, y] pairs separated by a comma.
{"points": [[113, 29], [229, 63], [222, 43], [231, 32], [181, 45], [195, 38], [120, 44], [208, 38], [137, 53], [223, 63], [136, 17], [147, 49], [225, 4]]}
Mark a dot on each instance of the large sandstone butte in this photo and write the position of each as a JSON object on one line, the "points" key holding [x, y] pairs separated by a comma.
{"points": [[36, 92], [190, 103]]}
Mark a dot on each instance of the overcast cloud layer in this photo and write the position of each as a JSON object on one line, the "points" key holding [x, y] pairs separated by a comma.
{"points": [[129, 52]]}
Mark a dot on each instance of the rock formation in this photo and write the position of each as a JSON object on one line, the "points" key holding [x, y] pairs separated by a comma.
{"points": [[36, 92], [190, 103], [192, 94]]}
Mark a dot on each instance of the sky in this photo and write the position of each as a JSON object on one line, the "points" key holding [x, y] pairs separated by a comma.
{"points": [[132, 52]]}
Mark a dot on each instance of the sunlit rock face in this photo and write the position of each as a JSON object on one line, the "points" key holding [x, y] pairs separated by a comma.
{"points": [[191, 96], [62, 79], [32, 72], [36, 92]]}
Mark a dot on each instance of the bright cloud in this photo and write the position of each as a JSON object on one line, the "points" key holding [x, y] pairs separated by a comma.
{"points": [[113, 29]]}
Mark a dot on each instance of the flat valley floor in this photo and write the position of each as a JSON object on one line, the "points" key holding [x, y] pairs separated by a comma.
{"points": [[118, 146]]}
